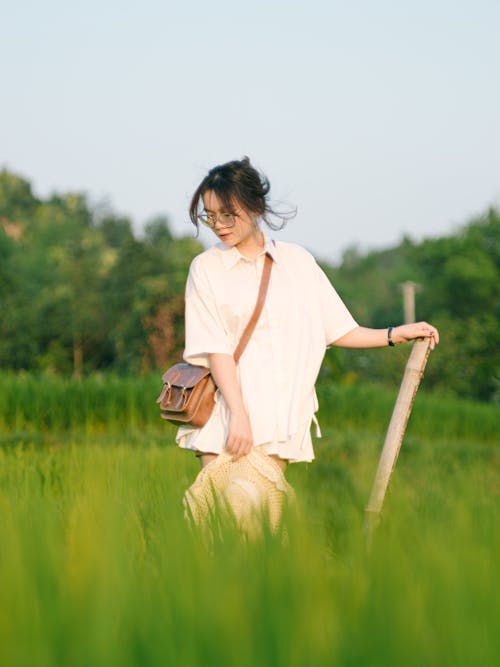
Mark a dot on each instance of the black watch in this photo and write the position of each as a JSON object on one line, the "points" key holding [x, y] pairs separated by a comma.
{"points": [[389, 337]]}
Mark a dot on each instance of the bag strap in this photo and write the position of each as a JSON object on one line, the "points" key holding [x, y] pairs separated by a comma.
{"points": [[264, 284]]}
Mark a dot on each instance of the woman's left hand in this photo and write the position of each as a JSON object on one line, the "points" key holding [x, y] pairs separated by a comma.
{"points": [[407, 332]]}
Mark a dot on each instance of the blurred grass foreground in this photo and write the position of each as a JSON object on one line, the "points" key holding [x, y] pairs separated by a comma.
{"points": [[98, 566]]}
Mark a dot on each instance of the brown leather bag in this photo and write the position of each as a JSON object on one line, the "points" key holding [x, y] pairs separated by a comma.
{"points": [[187, 397]]}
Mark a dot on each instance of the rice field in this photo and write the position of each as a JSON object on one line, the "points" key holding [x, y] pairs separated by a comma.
{"points": [[99, 567]]}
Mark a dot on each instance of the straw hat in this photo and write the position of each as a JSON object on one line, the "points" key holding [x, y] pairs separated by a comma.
{"points": [[248, 487]]}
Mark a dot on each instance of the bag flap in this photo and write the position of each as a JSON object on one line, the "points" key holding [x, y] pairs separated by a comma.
{"points": [[185, 375]]}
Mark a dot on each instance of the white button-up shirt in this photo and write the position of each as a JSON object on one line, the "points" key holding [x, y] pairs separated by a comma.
{"points": [[302, 316]]}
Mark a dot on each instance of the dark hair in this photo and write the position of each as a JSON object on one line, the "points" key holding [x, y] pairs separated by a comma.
{"points": [[239, 182]]}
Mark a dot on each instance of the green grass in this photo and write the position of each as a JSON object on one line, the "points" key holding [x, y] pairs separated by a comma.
{"points": [[38, 405], [98, 566]]}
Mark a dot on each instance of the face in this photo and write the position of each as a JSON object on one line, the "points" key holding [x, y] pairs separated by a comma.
{"points": [[244, 234]]}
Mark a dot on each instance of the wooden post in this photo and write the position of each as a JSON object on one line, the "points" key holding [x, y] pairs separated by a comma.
{"points": [[409, 290], [413, 374]]}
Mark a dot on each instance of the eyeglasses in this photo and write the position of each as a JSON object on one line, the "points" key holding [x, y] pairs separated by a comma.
{"points": [[225, 219]]}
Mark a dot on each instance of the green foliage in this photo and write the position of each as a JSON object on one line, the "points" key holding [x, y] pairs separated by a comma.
{"points": [[99, 567], [458, 278], [80, 292], [45, 406], [17, 201], [116, 231]]}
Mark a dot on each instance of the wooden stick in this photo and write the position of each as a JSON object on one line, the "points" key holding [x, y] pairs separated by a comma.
{"points": [[413, 374]]}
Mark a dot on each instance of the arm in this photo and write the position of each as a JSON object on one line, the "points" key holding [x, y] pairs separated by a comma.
{"points": [[362, 337], [223, 369]]}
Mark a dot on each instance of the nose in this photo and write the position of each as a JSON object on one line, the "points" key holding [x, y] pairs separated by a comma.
{"points": [[218, 224]]}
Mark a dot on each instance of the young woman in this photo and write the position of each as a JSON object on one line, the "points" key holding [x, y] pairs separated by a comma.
{"points": [[268, 400]]}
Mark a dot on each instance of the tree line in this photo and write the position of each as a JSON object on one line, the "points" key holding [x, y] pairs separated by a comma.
{"points": [[457, 278], [80, 291]]}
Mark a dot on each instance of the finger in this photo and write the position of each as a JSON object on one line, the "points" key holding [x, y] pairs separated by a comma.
{"points": [[242, 449], [433, 335], [424, 328], [235, 450], [430, 330], [427, 329], [231, 445], [237, 455], [236, 441]]}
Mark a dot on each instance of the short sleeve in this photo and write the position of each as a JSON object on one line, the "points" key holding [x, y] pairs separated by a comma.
{"points": [[204, 329], [336, 317]]}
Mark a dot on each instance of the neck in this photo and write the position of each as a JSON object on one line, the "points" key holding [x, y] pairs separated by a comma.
{"points": [[253, 245]]}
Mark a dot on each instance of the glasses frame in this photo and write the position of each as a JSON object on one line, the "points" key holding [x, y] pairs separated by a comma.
{"points": [[202, 217]]}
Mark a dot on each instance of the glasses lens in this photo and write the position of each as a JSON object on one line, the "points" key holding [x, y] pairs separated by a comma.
{"points": [[206, 219], [226, 219]]}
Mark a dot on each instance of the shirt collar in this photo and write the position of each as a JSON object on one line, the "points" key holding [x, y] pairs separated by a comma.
{"points": [[231, 256]]}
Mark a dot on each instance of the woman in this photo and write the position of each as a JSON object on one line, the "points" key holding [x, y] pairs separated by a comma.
{"points": [[268, 400]]}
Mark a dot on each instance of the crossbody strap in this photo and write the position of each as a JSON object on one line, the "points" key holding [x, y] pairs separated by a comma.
{"points": [[264, 284]]}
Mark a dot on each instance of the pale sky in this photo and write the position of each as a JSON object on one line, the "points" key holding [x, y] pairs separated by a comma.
{"points": [[375, 119]]}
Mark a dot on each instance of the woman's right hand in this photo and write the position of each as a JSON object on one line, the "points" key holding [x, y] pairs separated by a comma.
{"points": [[240, 438]]}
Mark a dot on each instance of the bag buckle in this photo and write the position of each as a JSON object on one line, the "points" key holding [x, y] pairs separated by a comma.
{"points": [[165, 393]]}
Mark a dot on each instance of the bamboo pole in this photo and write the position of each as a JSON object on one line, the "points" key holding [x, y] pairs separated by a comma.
{"points": [[411, 379]]}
